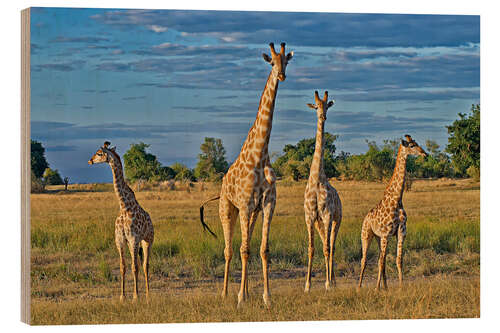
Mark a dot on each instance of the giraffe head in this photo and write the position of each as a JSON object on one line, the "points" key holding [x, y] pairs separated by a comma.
{"points": [[321, 105], [103, 155], [411, 147], [279, 61]]}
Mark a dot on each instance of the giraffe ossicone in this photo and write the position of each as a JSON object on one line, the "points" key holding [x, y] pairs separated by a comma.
{"points": [[388, 217], [133, 226], [249, 185], [322, 204]]}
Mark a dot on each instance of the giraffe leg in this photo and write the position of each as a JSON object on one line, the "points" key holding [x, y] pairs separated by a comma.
{"points": [[399, 258], [384, 277], [146, 248], [326, 254], [333, 238], [366, 238], [134, 249], [228, 214], [381, 260], [253, 218], [267, 215], [244, 252], [123, 269], [310, 252], [120, 245]]}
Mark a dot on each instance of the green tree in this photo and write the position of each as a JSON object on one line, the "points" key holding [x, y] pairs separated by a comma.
{"points": [[52, 177], [212, 162], [464, 142], [38, 161], [296, 160], [140, 164], [182, 172]]}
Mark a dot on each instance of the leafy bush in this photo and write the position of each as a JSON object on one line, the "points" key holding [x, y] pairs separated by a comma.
{"points": [[52, 177], [182, 172], [375, 164], [36, 184]]}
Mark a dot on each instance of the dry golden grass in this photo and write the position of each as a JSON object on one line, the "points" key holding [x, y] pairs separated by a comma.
{"points": [[75, 265]]}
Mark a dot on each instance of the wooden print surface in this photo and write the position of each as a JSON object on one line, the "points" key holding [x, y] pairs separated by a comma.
{"points": [[213, 166]]}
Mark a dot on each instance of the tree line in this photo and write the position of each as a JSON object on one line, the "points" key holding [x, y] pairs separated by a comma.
{"points": [[460, 158]]}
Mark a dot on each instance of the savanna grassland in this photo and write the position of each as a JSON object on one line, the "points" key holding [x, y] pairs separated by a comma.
{"points": [[75, 267]]}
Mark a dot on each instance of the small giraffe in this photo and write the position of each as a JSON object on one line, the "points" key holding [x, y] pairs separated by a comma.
{"points": [[249, 185], [133, 225], [322, 205], [388, 218]]}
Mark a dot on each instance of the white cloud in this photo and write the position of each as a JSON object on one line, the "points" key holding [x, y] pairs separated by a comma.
{"points": [[157, 28]]}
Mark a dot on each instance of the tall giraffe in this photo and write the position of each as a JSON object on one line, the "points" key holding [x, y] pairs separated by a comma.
{"points": [[249, 185], [133, 224], [322, 205], [388, 218]]}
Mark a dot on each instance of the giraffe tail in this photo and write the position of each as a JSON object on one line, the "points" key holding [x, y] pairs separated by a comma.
{"points": [[205, 226]]}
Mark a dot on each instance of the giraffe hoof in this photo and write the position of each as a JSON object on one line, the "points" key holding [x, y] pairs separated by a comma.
{"points": [[327, 286], [267, 300], [122, 298], [307, 287], [241, 298]]}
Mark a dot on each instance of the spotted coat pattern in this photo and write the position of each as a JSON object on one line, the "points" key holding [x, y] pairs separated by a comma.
{"points": [[133, 226], [249, 185], [388, 217], [322, 205]]}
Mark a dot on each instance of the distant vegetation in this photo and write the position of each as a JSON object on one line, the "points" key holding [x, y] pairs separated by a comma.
{"points": [[41, 174], [459, 159], [296, 160]]}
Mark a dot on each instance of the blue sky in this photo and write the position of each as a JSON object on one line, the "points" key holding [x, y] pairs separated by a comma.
{"points": [[171, 78]]}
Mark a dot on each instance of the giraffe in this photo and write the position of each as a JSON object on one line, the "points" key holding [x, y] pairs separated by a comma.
{"points": [[133, 224], [388, 218], [249, 187], [322, 205]]}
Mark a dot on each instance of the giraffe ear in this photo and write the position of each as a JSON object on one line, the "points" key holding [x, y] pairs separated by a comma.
{"points": [[404, 143], [106, 144], [266, 58], [113, 148], [312, 106], [330, 104], [289, 56]]}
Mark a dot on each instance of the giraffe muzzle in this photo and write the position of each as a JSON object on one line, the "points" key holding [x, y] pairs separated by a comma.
{"points": [[90, 162], [281, 76]]}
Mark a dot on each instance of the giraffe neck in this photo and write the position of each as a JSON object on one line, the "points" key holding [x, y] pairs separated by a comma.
{"points": [[125, 195], [258, 136], [317, 171], [396, 185]]}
